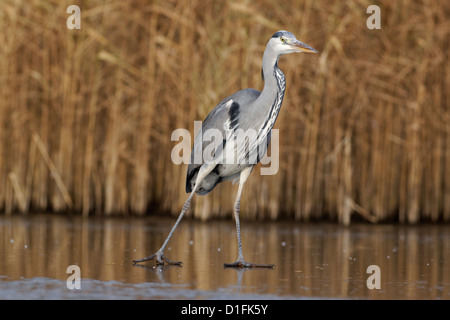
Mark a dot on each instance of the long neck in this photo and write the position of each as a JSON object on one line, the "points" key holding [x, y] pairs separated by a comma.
{"points": [[273, 93]]}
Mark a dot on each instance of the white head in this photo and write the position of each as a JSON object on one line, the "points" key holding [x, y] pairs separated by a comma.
{"points": [[284, 42]]}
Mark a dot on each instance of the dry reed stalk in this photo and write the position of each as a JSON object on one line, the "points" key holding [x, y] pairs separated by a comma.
{"points": [[53, 171], [18, 191]]}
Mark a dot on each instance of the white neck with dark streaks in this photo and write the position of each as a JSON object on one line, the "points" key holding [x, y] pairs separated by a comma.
{"points": [[274, 88]]}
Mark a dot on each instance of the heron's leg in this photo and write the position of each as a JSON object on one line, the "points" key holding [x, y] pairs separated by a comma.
{"points": [[159, 255], [205, 169], [240, 262]]}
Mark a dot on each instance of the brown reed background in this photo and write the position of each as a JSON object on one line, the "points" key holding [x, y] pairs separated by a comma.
{"points": [[86, 115]]}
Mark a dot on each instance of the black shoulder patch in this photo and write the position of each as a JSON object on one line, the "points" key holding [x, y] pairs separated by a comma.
{"points": [[234, 115]]}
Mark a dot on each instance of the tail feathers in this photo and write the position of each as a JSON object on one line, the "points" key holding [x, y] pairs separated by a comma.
{"points": [[206, 186]]}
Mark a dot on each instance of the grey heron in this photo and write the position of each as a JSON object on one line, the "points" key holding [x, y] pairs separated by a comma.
{"points": [[247, 109]]}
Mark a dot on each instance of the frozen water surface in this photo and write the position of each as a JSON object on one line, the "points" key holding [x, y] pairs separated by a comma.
{"points": [[313, 261]]}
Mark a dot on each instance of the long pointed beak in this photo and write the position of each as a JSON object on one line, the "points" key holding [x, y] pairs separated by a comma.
{"points": [[302, 47]]}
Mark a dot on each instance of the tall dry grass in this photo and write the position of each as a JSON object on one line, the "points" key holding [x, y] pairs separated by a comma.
{"points": [[86, 115]]}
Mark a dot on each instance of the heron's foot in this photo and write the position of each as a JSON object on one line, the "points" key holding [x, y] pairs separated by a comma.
{"points": [[244, 264], [160, 258]]}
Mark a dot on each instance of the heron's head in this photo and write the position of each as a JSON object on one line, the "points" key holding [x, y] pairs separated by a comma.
{"points": [[284, 42]]}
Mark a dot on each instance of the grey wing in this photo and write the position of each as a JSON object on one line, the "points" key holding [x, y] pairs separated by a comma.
{"points": [[226, 112]]}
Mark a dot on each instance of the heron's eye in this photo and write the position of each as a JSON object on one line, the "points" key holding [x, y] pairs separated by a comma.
{"points": [[283, 39]]}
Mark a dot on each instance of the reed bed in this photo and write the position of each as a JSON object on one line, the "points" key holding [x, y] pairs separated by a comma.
{"points": [[86, 115]]}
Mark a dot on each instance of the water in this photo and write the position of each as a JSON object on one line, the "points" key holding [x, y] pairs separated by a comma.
{"points": [[313, 261]]}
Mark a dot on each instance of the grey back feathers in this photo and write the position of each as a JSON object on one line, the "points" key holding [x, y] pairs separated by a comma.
{"points": [[223, 113]]}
